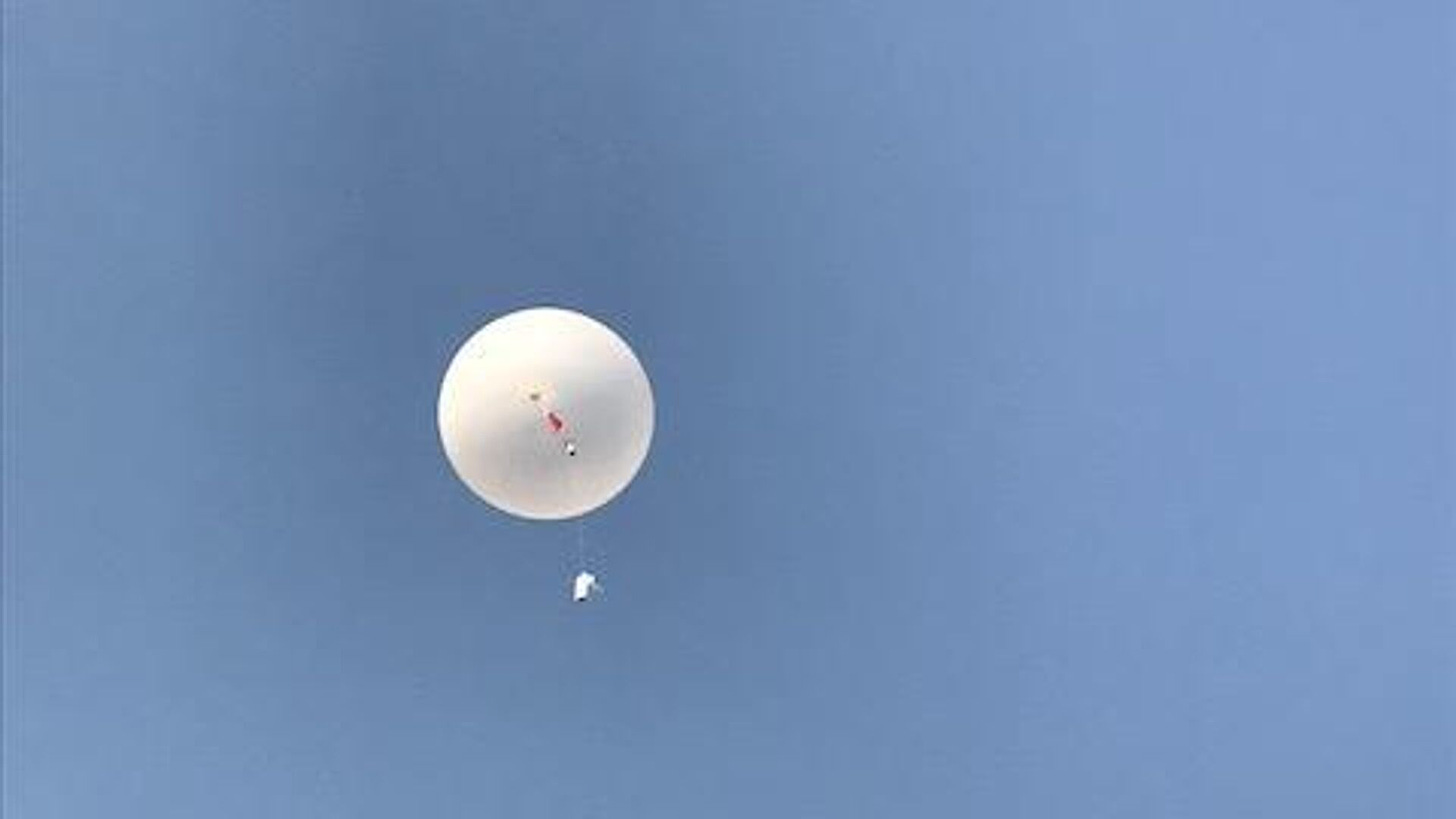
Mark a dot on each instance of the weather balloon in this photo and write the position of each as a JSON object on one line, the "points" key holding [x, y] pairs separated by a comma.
{"points": [[545, 413]]}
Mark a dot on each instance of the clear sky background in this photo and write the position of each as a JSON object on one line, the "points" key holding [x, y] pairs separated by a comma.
{"points": [[1055, 403]]}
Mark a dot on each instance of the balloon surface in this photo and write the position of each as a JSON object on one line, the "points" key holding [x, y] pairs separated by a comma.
{"points": [[545, 413]]}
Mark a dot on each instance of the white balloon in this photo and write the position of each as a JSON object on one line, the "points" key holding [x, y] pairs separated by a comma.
{"points": [[545, 413]]}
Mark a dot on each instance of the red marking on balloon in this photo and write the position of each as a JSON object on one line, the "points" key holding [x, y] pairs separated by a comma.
{"points": [[554, 421]]}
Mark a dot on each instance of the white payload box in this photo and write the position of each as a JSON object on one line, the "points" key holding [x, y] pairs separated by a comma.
{"points": [[584, 586]]}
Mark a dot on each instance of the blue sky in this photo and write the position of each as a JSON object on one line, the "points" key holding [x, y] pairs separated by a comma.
{"points": [[1055, 409]]}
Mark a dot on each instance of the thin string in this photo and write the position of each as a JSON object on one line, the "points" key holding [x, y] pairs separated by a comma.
{"points": [[581, 551]]}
